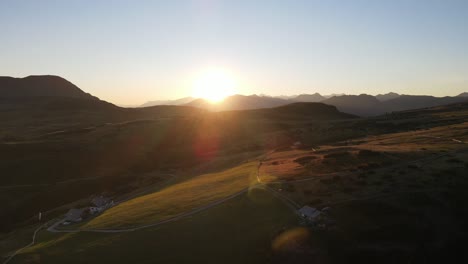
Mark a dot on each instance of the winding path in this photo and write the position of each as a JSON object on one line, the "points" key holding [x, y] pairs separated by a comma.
{"points": [[172, 219], [28, 245]]}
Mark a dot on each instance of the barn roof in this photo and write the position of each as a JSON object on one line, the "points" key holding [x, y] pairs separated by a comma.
{"points": [[309, 212], [74, 214]]}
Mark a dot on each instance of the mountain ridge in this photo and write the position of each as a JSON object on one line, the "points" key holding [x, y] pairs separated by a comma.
{"points": [[41, 86], [51, 87]]}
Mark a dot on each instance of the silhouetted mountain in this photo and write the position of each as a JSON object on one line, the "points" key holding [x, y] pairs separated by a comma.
{"points": [[367, 105], [362, 105], [332, 95], [285, 97], [242, 102], [406, 102], [290, 112], [465, 94], [180, 101], [315, 111], [40, 86], [239, 102], [316, 97], [387, 96], [201, 103]]}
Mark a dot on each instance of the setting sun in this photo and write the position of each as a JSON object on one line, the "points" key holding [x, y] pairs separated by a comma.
{"points": [[214, 85]]}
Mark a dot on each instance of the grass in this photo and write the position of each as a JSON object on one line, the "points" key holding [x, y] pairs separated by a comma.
{"points": [[240, 230], [178, 198], [14, 240]]}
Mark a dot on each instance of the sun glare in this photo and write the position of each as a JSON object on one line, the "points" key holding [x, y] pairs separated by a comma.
{"points": [[214, 85]]}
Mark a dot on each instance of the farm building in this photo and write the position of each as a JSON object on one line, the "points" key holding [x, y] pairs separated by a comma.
{"points": [[75, 215], [99, 204], [100, 201], [309, 213], [95, 210]]}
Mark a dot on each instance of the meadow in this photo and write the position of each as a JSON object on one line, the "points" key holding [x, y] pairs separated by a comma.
{"points": [[240, 230], [178, 198]]}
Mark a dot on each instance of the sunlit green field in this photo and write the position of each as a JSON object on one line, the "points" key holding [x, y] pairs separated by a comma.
{"points": [[240, 230], [178, 198]]}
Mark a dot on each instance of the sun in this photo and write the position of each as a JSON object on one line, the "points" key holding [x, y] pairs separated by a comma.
{"points": [[214, 85]]}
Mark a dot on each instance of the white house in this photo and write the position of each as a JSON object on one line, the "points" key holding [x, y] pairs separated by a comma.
{"points": [[309, 213]]}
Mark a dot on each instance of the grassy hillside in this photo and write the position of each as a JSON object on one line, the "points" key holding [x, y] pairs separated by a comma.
{"points": [[103, 148], [238, 231], [394, 197], [177, 198]]}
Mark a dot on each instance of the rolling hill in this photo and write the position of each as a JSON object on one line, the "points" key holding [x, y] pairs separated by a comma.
{"points": [[313, 98], [387, 96], [40, 86], [367, 105], [72, 139], [180, 101], [362, 105], [240, 102]]}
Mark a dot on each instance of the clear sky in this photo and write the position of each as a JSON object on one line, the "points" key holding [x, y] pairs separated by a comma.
{"points": [[129, 52]]}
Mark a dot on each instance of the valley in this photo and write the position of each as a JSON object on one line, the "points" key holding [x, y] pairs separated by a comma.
{"points": [[227, 186]]}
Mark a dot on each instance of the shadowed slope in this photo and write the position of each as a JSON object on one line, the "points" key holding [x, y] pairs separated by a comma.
{"points": [[46, 85]]}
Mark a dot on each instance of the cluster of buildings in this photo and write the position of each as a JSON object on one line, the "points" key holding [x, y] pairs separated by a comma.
{"points": [[98, 205]]}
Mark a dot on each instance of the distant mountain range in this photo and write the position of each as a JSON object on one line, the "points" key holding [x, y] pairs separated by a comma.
{"points": [[362, 105], [180, 101], [386, 97], [48, 86]]}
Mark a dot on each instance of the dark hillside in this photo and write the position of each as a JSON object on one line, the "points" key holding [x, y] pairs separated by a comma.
{"points": [[45, 85]]}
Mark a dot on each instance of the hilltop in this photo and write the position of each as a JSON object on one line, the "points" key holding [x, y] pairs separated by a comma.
{"points": [[96, 146], [40, 86]]}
